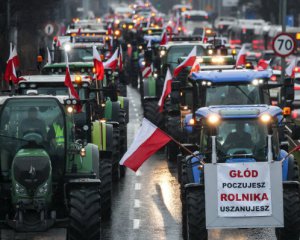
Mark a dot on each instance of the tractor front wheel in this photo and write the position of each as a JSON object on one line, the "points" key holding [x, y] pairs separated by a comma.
{"points": [[291, 205], [195, 215], [85, 214], [106, 187]]}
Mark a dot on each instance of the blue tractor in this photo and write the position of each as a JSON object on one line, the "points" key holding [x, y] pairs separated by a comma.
{"points": [[237, 134]]}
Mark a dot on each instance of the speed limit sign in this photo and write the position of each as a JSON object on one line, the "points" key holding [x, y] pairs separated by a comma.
{"points": [[283, 44]]}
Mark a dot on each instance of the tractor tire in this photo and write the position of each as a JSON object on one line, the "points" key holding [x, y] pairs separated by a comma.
{"points": [[152, 114], [179, 167], [123, 140], [106, 187], [116, 154], [195, 215], [291, 205], [174, 129], [184, 180], [123, 90], [84, 214]]}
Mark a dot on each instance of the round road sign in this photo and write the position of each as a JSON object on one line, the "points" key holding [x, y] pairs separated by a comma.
{"points": [[283, 44], [49, 29]]}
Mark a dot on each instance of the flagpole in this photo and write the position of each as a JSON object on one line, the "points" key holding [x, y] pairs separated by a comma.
{"points": [[182, 146]]}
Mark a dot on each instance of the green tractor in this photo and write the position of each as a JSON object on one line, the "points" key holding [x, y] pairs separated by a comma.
{"points": [[47, 177], [87, 125]]}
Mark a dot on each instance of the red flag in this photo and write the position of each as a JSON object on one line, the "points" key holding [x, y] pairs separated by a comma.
{"points": [[146, 72], [148, 140], [79, 31], [263, 64], [195, 67], [98, 65], [13, 61], [164, 38], [166, 90], [109, 29], [290, 70], [120, 59], [188, 62], [113, 61], [241, 57], [68, 82]]}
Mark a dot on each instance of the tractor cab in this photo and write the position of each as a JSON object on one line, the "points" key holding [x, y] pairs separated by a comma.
{"points": [[242, 133], [40, 158]]}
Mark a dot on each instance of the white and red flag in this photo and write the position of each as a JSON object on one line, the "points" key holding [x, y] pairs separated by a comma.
{"points": [[204, 38], [263, 64], [13, 61], [290, 70], [241, 57], [164, 38], [98, 65], [188, 62], [49, 59], [68, 82], [112, 62], [109, 29], [147, 71], [195, 67], [120, 59], [166, 91], [148, 140]]}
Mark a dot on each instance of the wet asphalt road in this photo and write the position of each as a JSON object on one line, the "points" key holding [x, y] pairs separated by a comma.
{"points": [[146, 204]]}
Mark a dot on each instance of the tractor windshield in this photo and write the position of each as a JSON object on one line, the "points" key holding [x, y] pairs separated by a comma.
{"points": [[242, 94], [242, 138], [25, 121]]}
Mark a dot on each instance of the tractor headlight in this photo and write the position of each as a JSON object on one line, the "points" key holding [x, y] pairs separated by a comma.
{"points": [[213, 119], [67, 47], [256, 82], [162, 53], [43, 189], [20, 189], [265, 118]]}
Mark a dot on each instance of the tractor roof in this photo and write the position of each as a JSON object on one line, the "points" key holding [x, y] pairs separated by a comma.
{"points": [[61, 99], [239, 111], [49, 78], [242, 75]]}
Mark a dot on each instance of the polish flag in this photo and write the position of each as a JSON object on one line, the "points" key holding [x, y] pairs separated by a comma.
{"points": [[68, 82], [175, 30], [188, 62], [148, 140], [149, 45], [166, 90], [14, 76], [120, 59], [263, 64], [146, 72], [164, 38], [204, 38], [290, 70], [241, 57], [112, 62], [98, 65], [49, 60], [109, 29], [13, 60], [79, 31], [195, 67]]}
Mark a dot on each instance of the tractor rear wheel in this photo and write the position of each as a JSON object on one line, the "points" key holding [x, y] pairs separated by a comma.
{"points": [[106, 187], [85, 214], [152, 114], [116, 154], [195, 215], [291, 205]]}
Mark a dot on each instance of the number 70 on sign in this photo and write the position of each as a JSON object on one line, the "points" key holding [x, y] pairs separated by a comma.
{"points": [[283, 44]]}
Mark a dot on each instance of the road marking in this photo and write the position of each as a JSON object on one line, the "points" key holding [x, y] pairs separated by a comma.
{"points": [[137, 203], [137, 114], [137, 186], [136, 223], [133, 104], [135, 109]]}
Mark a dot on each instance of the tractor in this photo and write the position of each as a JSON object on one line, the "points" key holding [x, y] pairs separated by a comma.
{"points": [[48, 179], [98, 131], [240, 134]]}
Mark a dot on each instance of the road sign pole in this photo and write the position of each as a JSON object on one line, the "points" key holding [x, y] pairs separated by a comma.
{"points": [[283, 24]]}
